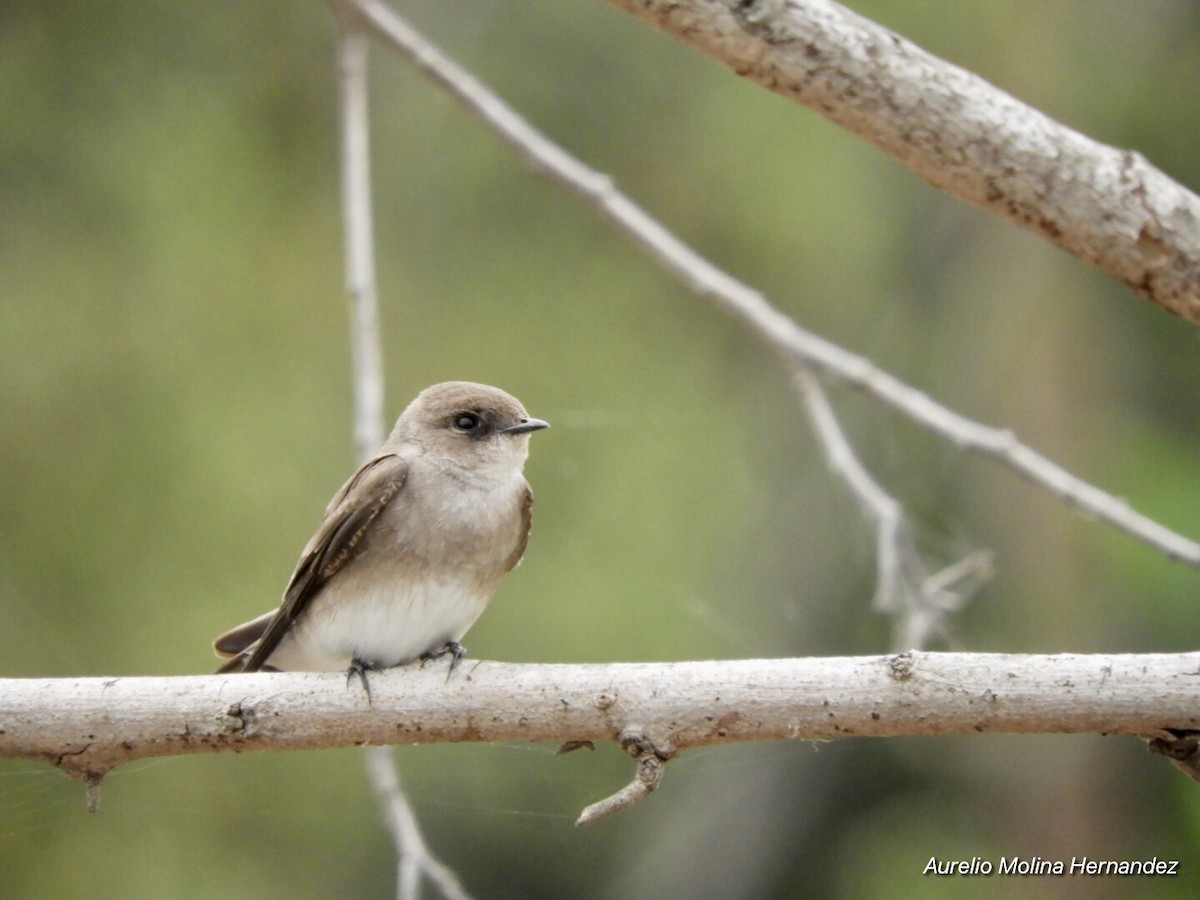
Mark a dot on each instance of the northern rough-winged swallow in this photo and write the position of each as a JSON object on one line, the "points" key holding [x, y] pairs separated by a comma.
{"points": [[411, 548]]}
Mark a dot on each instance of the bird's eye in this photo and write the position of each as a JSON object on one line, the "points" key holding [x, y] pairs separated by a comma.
{"points": [[466, 422]]}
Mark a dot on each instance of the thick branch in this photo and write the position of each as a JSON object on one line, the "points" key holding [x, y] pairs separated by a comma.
{"points": [[86, 726], [1107, 206]]}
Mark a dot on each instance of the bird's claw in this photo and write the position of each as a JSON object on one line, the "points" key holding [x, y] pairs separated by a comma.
{"points": [[453, 649]]}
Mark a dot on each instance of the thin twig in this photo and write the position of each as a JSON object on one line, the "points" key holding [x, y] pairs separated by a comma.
{"points": [[942, 593], [413, 857], [899, 568], [92, 796], [797, 345], [650, 760], [365, 344], [416, 859], [647, 777], [919, 602]]}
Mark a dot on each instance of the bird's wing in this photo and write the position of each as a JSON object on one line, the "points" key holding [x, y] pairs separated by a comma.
{"points": [[526, 522], [344, 534]]}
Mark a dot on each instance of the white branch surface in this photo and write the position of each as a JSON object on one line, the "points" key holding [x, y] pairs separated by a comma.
{"points": [[1106, 205], [86, 726]]}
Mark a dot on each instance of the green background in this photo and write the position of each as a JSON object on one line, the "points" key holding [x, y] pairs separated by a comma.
{"points": [[175, 391]]}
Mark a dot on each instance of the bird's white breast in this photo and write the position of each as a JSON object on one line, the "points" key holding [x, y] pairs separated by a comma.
{"points": [[383, 624], [403, 599]]}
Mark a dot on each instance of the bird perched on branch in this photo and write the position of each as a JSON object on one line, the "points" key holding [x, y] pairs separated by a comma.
{"points": [[412, 547]]}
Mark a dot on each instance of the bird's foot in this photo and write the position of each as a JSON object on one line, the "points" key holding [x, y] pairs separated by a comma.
{"points": [[453, 649], [359, 669]]}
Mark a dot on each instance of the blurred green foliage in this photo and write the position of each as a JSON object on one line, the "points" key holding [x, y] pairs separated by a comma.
{"points": [[175, 395]]}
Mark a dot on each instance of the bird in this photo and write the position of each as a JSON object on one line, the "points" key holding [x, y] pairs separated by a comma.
{"points": [[412, 547]]}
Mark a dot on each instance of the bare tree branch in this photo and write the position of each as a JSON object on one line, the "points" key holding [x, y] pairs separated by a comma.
{"points": [[87, 726], [918, 601], [365, 342], [795, 344], [902, 578], [413, 857], [1182, 748], [1107, 206], [650, 763], [942, 593], [900, 572]]}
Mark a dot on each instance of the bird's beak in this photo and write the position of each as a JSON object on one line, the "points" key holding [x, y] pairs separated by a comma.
{"points": [[524, 426]]}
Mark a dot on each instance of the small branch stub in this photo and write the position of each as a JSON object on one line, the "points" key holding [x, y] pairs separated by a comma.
{"points": [[92, 795], [651, 763], [1182, 748]]}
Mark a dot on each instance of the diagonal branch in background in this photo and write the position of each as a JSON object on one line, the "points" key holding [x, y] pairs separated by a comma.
{"points": [[1106, 205], [798, 346]]}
